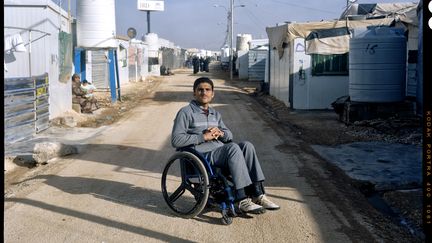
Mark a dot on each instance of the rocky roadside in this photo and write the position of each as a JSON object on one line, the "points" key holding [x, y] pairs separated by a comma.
{"points": [[402, 207], [28, 158], [316, 127]]}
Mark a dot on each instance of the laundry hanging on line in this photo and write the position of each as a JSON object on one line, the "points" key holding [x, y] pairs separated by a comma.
{"points": [[14, 43]]}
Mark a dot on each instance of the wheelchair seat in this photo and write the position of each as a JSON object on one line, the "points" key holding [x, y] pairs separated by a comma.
{"points": [[190, 182]]}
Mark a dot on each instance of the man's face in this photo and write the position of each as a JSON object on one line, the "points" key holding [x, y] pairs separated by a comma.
{"points": [[204, 93]]}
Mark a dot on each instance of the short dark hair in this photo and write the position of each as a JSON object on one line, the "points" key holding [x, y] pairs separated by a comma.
{"points": [[202, 80], [85, 81], [75, 76]]}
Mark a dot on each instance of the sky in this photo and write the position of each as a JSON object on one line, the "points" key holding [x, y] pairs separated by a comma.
{"points": [[199, 24]]}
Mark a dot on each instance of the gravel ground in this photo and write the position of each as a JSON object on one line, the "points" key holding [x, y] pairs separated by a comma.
{"points": [[324, 128], [313, 127]]}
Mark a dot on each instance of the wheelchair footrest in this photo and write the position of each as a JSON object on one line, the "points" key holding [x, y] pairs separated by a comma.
{"points": [[229, 208]]}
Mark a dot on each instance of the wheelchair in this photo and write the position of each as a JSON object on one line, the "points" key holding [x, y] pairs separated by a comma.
{"points": [[190, 183]]}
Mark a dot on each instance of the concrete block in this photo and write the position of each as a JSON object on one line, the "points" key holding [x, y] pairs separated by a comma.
{"points": [[42, 152], [76, 107]]}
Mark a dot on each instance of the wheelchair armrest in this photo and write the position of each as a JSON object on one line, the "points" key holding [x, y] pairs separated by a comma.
{"points": [[190, 149], [200, 156]]}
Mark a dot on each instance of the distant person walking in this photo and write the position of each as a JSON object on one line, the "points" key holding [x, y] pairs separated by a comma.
{"points": [[201, 62], [206, 64], [196, 64]]}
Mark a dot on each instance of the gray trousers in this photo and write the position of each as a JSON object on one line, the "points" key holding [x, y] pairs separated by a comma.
{"points": [[242, 162]]}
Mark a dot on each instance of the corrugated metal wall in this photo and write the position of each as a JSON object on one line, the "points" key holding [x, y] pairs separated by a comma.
{"points": [[26, 107], [100, 75], [41, 102], [257, 62], [279, 75]]}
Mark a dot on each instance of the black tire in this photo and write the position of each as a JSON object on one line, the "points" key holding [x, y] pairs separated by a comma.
{"points": [[186, 191]]}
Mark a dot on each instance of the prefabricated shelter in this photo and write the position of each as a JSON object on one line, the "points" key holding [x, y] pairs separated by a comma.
{"points": [[308, 64], [173, 57], [225, 53], [37, 66], [251, 57], [138, 60], [154, 57], [122, 60], [242, 61], [257, 62], [97, 65]]}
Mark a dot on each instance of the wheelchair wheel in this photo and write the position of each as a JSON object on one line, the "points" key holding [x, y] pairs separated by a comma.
{"points": [[185, 184]]}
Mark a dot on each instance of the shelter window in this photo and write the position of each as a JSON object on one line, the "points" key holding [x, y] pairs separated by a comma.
{"points": [[329, 65], [153, 61]]}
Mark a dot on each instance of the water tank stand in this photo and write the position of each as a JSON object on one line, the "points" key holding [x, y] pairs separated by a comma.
{"points": [[359, 111]]}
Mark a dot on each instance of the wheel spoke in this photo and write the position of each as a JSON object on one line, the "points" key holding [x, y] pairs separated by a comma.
{"points": [[180, 190], [197, 192]]}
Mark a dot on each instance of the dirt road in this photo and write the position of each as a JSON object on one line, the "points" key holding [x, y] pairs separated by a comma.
{"points": [[111, 192]]}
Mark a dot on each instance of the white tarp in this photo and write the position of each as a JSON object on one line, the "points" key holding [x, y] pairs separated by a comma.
{"points": [[330, 45], [403, 12]]}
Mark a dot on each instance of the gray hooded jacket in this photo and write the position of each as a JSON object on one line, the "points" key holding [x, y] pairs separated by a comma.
{"points": [[190, 124]]}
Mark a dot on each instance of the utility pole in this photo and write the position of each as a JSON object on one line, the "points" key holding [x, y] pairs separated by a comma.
{"points": [[148, 22], [232, 38]]}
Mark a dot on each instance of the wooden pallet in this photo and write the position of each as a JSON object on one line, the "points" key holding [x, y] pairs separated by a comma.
{"points": [[359, 111]]}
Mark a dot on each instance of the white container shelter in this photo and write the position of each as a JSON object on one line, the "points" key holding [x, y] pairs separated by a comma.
{"points": [[41, 21], [294, 79]]}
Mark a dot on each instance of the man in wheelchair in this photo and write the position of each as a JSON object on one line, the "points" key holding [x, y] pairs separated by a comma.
{"points": [[201, 126]]}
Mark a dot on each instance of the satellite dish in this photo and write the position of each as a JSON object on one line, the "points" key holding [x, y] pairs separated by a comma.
{"points": [[131, 32]]}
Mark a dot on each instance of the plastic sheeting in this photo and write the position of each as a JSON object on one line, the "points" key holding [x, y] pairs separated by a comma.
{"points": [[391, 13], [404, 12], [65, 57], [287, 33]]}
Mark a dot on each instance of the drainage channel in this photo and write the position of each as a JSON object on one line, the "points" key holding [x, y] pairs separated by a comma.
{"points": [[375, 198]]}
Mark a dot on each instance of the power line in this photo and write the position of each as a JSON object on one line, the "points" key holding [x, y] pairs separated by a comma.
{"points": [[254, 18], [226, 38], [299, 6]]}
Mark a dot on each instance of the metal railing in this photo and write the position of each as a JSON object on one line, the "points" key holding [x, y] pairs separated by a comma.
{"points": [[26, 107]]}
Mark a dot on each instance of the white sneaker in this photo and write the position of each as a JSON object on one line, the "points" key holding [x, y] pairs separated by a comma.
{"points": [[247, 206], [263, 201]]}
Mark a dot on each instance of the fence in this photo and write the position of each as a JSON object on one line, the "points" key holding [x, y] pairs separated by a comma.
{"points": [[26, 107]]}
